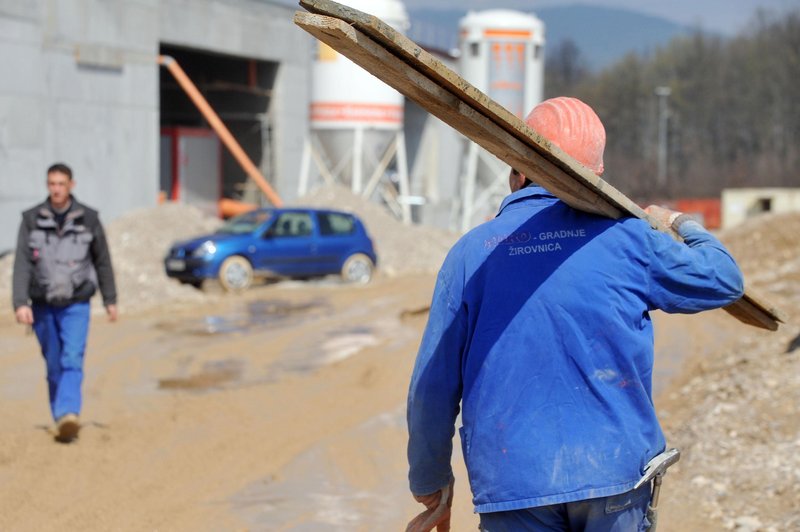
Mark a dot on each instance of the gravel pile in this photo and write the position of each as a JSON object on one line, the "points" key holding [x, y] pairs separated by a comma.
{"points": [[402, 249], [140, 240], [735, 418], [6, 270], [736, 424], [767, 248]]}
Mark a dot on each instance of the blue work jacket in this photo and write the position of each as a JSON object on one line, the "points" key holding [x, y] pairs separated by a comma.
{"points": [[540, 328]]}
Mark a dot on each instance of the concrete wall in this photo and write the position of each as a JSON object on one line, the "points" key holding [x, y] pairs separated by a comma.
{"points": [[80, 85], [434, 153], [75, 89], [22, 112], [739, 204]]}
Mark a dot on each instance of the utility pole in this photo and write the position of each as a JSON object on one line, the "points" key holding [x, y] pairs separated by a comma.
{"points": [[663, 117]]}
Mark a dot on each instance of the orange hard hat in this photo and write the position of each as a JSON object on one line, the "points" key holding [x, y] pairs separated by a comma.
{"points": [[574, 127]]}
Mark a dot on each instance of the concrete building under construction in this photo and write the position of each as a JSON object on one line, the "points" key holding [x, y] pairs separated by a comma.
{"points": [[82, 84]]}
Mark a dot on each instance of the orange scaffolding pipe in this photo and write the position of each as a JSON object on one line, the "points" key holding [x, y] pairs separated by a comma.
{"points": [[216, 124]]}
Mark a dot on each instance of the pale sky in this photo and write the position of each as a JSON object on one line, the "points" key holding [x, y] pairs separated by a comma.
{"points": [[723, 16]]}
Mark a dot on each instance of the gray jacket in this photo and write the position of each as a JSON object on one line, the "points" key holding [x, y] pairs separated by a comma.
{"points": [[61, 266]]}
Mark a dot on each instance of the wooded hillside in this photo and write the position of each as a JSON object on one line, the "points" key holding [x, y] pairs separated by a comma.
{"points": [[733, 115]]}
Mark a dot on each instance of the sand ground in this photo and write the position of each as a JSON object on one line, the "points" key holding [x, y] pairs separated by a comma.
{"points": [[281, 409]]}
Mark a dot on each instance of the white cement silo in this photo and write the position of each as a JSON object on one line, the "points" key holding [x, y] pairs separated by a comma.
{"points": [[502, 54], [356, 120]]}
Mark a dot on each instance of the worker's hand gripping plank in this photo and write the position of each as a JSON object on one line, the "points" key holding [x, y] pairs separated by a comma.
{"points": [[399, 62]]}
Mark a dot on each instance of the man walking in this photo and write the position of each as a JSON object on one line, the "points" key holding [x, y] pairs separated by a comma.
{"points": [[61, 258], [540, 329]]}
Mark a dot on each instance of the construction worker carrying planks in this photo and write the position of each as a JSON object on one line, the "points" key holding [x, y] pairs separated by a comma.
{"points": [[540, 330]]}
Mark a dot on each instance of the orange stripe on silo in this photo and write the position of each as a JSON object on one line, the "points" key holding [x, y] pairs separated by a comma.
{"points": [[507, 85], [511, 34], [356, 112]]}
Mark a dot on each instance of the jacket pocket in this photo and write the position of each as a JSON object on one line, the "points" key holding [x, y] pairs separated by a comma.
{"points": [[79, 250], [36, 241]]}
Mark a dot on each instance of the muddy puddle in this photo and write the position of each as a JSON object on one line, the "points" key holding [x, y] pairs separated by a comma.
{"points": [[326, 347], [296, 337], [255, 315], [213, 375]]}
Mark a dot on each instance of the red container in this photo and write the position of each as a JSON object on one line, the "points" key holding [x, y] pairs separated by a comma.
{"points": [[706, 210]]}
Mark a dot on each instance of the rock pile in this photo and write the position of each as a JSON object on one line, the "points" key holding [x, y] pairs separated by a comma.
{"points": [[767, 248], [6, 270], [139, 241], [736, 424], [735, 416]]}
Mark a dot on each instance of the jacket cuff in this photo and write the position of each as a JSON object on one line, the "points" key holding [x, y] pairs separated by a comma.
{"points": [[690, 226], [421, 491], [681, 219]]}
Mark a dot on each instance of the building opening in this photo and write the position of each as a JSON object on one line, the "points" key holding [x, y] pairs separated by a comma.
{"points": [[762, 205], [195, 167]]}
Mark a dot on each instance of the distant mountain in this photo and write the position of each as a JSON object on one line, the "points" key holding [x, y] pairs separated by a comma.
{"points": [[603, 35]]}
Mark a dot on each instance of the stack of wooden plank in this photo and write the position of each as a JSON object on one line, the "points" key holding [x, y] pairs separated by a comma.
{"points": [[402, 64]]}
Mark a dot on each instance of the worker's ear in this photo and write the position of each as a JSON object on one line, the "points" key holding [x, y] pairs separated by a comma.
{"points": [[516, 180]]}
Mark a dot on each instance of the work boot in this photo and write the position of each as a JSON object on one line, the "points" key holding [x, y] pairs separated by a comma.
{"points": [[68, 426]]}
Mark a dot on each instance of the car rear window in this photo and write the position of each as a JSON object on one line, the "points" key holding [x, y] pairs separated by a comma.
{"points": [[332, 224], [292, 224]]}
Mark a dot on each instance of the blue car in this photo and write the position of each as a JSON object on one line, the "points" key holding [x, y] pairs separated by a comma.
{"points": [[276, 243]]}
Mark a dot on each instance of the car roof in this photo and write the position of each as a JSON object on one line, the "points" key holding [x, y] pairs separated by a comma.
{"points": [[304, 209]]}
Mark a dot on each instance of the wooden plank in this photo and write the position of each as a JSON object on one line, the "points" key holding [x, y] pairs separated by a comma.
{"points": [[753, 309], [486, 123]]}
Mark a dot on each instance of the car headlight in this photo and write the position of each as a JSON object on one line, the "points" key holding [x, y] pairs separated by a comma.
{"points": [[207, 248]]}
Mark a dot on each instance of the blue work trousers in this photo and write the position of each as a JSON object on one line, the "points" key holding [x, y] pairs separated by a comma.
{"points": [[62, 333], [626, 512]]}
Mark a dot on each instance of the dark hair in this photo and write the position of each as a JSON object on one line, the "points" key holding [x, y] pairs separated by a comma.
{"points": [[62, 169]]}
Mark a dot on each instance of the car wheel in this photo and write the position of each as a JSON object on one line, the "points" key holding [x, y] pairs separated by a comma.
{"points": [[235, 274], [357, 268]]}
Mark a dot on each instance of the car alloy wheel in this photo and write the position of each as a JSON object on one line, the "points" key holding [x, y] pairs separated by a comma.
{"points": [[236, 274], [357, 268]]}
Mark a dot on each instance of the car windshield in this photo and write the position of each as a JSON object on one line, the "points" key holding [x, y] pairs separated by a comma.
{"points": [[245, 223]]}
